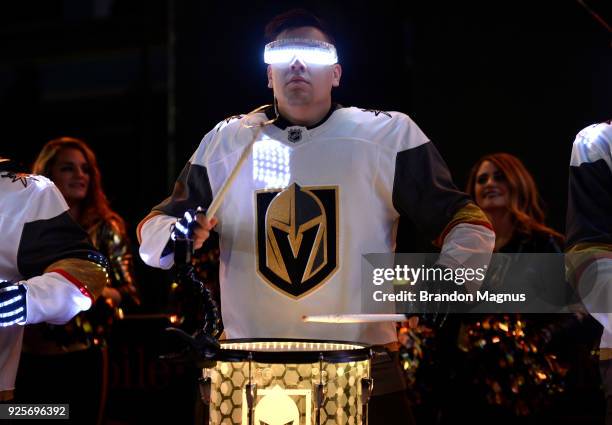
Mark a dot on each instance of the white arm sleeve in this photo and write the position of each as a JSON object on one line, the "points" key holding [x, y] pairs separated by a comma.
{"points": [[155, 233], [467, 246], [595, 290], [52, 298]]}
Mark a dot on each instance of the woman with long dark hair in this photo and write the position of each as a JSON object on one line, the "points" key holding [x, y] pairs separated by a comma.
{"points": [[80, 346]]}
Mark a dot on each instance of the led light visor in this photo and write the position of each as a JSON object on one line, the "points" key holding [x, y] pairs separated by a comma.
{"points": [[312, 52]]}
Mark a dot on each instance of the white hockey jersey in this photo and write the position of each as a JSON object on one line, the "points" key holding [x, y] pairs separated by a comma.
{"points": [[589, 224], [305, 207], [43, 248]]}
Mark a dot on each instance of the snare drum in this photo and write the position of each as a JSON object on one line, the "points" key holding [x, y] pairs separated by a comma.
{"points": [[288, 382]]}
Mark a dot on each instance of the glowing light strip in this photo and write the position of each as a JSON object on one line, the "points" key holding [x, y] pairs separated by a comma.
{"points": [[271, 163], [182, 228], [289, 346], [11, 301], [11, 313], [8, 288], [313, 52], [19, 321]]}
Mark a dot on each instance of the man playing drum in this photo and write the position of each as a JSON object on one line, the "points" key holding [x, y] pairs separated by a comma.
{"points": [[314, 189]]}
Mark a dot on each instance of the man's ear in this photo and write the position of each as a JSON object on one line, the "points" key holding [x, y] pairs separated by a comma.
{"points": [[269, 72], [337, 73]]}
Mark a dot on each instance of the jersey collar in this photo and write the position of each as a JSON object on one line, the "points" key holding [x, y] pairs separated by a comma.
{"points": [[283, 123]]}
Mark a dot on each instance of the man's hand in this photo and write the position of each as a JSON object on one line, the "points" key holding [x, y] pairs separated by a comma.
{"points": [[201, 231], [112, 296], [195, 226]]}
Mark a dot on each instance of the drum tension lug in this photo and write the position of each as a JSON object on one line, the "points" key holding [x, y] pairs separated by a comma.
{"points": [[205, 384], [320, 395], [251, 396], [367, 385]]}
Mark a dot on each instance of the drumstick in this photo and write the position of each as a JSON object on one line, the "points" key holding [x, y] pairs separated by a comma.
{"points": [[354, 318], [216, 203]]}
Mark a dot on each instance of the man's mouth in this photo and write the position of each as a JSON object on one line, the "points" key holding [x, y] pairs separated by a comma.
{"points": [[298, 80]]}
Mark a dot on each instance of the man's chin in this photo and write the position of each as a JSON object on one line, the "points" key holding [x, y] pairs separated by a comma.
{"points": [[299, 98]]}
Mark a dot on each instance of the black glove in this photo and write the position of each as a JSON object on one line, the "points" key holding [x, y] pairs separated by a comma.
{"points": [[12, 303], [183, 230]]}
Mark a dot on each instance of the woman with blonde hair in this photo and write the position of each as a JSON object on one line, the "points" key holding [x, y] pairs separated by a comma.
{"points": [[80, 345]]}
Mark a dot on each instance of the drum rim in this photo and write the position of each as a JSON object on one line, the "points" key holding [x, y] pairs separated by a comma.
{"points": [[294, 357]]}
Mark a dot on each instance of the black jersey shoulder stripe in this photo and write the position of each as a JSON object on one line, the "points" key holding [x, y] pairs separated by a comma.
{"points": [[589, 213], [43, 242], [423, 190], [191, 190]]}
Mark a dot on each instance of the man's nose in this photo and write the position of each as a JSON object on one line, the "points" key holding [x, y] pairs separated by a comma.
{"points": [[297, 64]]}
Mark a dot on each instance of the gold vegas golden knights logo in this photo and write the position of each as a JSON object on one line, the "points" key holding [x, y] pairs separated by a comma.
{"points": [[297, 237]]}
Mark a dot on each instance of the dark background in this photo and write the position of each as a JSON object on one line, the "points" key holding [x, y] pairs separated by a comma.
{"points": [[478, 77]]}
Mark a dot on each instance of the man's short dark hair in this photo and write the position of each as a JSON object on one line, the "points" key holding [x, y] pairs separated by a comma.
{"points": [[296, 18]]}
